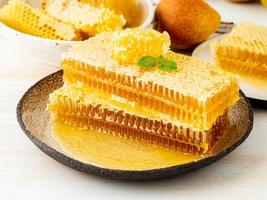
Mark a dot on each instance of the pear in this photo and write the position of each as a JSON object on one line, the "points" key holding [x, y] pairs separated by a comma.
{"points": [[264, 2], [188, 22], [241, 1]]}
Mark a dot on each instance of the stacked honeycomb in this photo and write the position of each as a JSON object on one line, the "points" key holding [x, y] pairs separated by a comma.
{"points": [[243, 51], [177, 92], [84, 17], [20, 16], [185, 109]]}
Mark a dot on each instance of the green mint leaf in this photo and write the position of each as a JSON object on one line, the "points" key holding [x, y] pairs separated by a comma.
{"points": [[160, 59], [161, 62], [147, 61], [168, 65]]}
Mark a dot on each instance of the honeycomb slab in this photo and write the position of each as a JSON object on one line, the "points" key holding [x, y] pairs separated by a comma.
{"points": [[185, 109], [21, 17], [243, 51]]}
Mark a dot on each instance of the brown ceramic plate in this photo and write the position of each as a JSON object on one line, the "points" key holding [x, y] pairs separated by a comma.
{"points": [[34, 120]]}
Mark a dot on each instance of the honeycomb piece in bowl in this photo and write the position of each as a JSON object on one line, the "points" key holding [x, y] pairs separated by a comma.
{"points": [[243, 51], [21, 17], [128, 8], [89, 19]]}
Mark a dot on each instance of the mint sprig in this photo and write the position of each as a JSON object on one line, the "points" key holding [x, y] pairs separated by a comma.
{"points": [[168, 65], [147, 61], [161, 62]]}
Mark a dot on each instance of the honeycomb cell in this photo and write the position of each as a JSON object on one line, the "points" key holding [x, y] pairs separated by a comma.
{"points": [[243, 51], [88, 109], [133, 44], [20, 16], [128, 8], [185, 109], [86, 18], [196, 93]]}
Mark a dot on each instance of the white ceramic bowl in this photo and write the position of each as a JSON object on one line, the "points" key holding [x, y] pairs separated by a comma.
{"points": [[47, 52]]}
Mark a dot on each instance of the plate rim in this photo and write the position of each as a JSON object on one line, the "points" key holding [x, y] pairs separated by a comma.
{"points": [[128, 175]]}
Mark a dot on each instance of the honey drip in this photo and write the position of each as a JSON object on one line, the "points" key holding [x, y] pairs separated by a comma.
{"points": [[113, 152], [128, 125]]}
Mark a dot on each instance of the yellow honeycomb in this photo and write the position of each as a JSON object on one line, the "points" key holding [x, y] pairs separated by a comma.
{"points": [[133, 44], [20, 16], [88, 109], [185, 109], [243, 51], [84, 17], [128, 8], [196, 94]]}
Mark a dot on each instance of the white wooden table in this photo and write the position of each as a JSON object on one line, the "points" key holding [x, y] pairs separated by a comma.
{"points": [[27, 173]]}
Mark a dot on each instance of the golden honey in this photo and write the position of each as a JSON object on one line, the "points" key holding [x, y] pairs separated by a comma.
{"points": [[89, 109], [113, 152], [61, 19], [127, 43], [243, 51], [196, 93], [20, 16], [90, 20], [128, 8]]}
